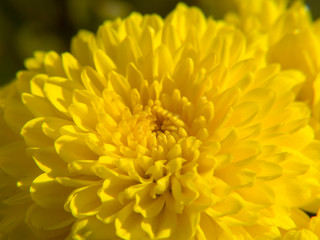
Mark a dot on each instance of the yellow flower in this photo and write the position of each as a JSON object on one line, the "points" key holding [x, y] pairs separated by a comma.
{"points": [[288, 36], [158, 129]]}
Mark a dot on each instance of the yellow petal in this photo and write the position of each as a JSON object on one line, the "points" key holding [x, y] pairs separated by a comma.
{"points": [[71, 67], [82, 47], [109, 209], [53, 64], [103, 63], [59, 219], [58, 91], [48, 193], [92, 229], [128, 224], [84, 201], [149, 207], [162, 226], [72, 148], [303, 234], [33, 134], [39, 106], [48, 161]]}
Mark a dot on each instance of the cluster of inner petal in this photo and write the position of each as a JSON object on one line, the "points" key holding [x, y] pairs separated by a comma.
{"points": [[149, 168]]}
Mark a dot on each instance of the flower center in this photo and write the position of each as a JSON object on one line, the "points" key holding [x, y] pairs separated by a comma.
{"points": [[155, 151], [166, 121], [152, 123]]}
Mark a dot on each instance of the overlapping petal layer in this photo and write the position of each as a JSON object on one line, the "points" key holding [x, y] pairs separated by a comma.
{"points": [[288, 35]]}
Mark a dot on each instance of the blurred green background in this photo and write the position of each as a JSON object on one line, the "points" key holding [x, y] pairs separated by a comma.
{"points": [[29, 25]]}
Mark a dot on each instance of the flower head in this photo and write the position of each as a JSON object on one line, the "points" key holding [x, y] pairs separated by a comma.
{"points": [[289, 36], [163, 129]]}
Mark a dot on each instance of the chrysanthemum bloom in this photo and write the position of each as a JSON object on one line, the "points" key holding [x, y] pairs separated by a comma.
{"points": [[156, 129], [289, 36]]}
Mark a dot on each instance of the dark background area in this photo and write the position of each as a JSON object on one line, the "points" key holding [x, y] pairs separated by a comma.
{"points": [[29, 25]]}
